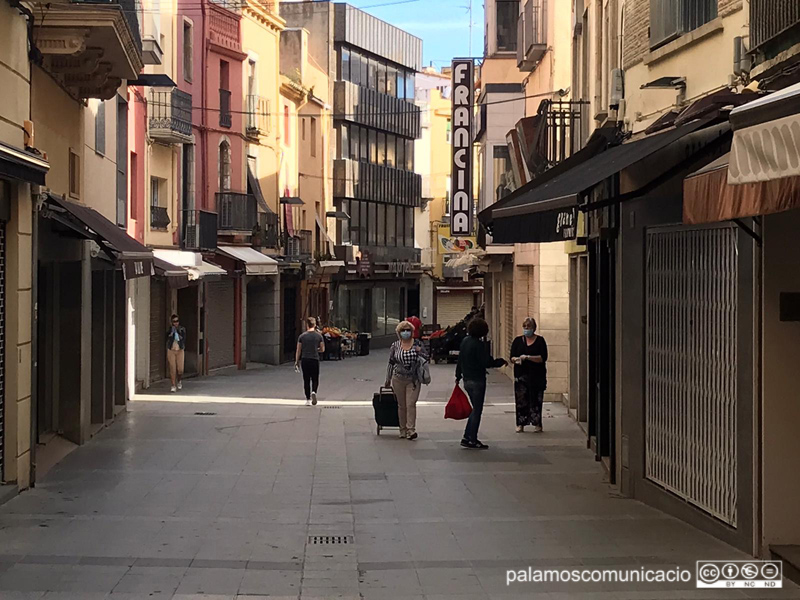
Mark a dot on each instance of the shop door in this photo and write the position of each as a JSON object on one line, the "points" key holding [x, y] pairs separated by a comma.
{"points": [[691, 367], [290, 332], [219, 323], [602, 352], [190, 319], [158, 329]]}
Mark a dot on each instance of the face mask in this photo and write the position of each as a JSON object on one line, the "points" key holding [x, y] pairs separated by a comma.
{"points": [[528, 332], [406, 335]]}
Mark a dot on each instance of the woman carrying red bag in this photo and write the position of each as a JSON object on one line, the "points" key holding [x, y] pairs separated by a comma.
{"points": [[473, 360]]}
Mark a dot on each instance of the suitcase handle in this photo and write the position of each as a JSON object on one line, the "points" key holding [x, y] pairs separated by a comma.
{"points": [[383, 388]]}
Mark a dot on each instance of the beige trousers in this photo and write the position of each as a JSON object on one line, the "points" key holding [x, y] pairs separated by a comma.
{"points": [[407, 395], [175, 360]]}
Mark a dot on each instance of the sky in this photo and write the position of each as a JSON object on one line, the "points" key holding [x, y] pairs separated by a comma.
{"points": [[443, 25]]}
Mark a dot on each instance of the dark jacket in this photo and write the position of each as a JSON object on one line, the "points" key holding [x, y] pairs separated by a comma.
{"points": [[474, 359], [181, 337], [535, 373]]}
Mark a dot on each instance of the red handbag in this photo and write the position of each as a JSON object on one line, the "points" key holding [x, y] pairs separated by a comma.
{"points": [[458, 407]]}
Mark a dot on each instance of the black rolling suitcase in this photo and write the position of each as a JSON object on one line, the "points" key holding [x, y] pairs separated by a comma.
{"points": [[385, 405]]}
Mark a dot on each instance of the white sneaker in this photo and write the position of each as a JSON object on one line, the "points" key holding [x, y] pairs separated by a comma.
{"points": [[180, 385], [520, 429], [538, 429], [173, 389], [314, 398], [308, 402]]}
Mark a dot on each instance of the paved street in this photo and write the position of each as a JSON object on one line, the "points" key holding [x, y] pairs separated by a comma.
{"points": [[235, 489]]}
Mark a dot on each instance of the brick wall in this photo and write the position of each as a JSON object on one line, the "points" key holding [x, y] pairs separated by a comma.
{"points": [[636, 37]]}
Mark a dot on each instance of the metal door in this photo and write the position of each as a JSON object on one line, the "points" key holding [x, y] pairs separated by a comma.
{"points": [[219, 320], [158, 329], [691, 365]]}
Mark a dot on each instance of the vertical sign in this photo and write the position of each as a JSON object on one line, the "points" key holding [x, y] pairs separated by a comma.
{"points": [[463, 93]]}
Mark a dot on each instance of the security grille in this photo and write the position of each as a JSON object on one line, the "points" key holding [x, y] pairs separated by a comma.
{"points": [[219, 319], [317, 540], [2, 341], [691, 370]]}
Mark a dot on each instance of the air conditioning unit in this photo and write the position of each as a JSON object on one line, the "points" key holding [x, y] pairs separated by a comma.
{"points": [[742, 62]]}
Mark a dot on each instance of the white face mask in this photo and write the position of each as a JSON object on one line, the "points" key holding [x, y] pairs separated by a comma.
{"points": [[406, 335]]}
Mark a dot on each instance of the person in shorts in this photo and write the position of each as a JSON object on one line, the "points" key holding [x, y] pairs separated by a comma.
{"points": [[176, 347]]}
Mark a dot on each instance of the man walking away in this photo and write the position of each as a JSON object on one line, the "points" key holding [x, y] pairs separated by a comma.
{"points": [[309, 347], [176, 345]]}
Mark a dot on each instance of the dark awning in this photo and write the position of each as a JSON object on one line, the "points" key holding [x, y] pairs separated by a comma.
{"points": [[548, 212], [177, 277], [292, 200], [255, 189], [152, 80], [22, 165], [135, 259]]}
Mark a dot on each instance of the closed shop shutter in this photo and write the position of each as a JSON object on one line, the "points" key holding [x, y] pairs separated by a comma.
{"points": [[2, 339], [508, 320], [219, 321], [691, 365], [452, 307], [158, 329]]}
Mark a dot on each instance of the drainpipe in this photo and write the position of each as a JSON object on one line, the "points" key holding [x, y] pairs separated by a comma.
{"points": [[34, 336]]}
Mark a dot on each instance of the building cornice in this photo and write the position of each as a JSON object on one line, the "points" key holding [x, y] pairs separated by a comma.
{"points": [[260, 13]]}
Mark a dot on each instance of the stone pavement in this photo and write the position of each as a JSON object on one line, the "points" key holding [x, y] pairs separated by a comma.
{"points": [[234, 489]]}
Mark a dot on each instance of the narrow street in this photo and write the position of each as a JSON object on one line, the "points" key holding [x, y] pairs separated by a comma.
{"points": [[218, 492]]}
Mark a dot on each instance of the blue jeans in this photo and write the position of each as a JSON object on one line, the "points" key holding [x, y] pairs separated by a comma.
{"points": [[476, 389]]}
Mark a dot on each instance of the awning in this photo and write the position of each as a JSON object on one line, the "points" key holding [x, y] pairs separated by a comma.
{"points": [[548, 212], [152, 80], [255, 189], [22, 165], [339, 215], [206, 270], [292, 200], [326, 237], [255, 263], [453, 288], [135, 259], [766, 138], [192, 262], [177, 277], [708, 198]]}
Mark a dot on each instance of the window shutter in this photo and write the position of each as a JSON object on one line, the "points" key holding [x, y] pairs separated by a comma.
{"points": [[664, 21]]}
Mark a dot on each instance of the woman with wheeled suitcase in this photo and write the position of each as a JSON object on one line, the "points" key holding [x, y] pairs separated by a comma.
{"points": [[403, 375]]}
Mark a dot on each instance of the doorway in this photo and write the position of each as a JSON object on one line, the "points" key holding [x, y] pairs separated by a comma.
{"points": [[289, 322], [190, 319]]}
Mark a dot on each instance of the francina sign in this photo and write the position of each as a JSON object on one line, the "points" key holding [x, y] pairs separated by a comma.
{"points": [[463, 96]]}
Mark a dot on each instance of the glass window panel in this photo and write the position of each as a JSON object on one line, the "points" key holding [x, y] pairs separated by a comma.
{"points": [[369, 224], [381, 148], [344, 75], [391, 81], [345, 224], [391, 225], [355, 68], [409, 155], [344, 143], [364, 71], [381, 241], [400, 222], [401, 153], [364, 144], [401, 84], [378, 311], [354, 142], [507, 16], [364, 222], [373, 146], [373, 74], [342, 307], [391, 150], [355, 222], [410, 86], [409, 227], [393, 302], [382, 78]]}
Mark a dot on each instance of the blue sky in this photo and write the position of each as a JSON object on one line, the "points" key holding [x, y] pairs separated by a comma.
{"points": [[443, 25]]}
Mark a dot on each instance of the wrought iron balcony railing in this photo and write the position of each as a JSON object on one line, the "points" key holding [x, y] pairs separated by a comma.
{"points": [[199, 230], [225, 117], [258, 115], [170, 116], [298, 246], [159, 217], [267, 236], [237, 211], [531, 34], [771, 19]]}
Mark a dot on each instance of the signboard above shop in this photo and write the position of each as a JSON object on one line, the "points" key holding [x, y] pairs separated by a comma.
{"points": [[463, 97]]}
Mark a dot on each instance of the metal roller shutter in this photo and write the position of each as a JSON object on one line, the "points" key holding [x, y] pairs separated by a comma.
{"points": [[158, 329], [691, 370], [452, 307], [219, 320]]}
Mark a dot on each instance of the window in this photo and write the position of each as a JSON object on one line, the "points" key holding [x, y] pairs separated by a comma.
{"points": [[364, 71], [355, 68], [501, 166], [134, 186], [159, 217], [373, 146], [381, 241], [188, 51], [344, 142], [391, 225], [401, 85], [372, 223], [409, 227], [670, 19], [313, 136], [409, 155], [100, 128], [401, 153], [372, 74], [355, 142], [74, 174], [449, 130], [507, 15], [381, 148], [355, 221], [410, 86], [286, 125], [344, 73], [224, 167], [391, 151], [224, 75], [303, 128], [400, 223], [364, 145], [382, 78], [391, 81]]}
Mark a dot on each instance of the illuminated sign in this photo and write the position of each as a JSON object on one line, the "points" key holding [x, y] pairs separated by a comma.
{"points": [[462, 98]]}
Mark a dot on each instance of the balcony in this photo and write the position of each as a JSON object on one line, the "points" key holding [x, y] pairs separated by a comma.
{"points": [[369, 107], [170, 116], [531, 34], [159, 217], [199, 230], [225, 118], [237, 212], [258, 116], [366, 181], [771, 21], [89, 46], [298, 246], [266, 236]]}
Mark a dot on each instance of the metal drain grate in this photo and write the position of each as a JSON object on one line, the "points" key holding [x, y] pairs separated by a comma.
{"points": [[331, 407], [205, 414], [328, 540]]}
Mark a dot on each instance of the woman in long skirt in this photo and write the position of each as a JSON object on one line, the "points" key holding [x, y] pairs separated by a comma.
{"points": [[529, 355]]}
